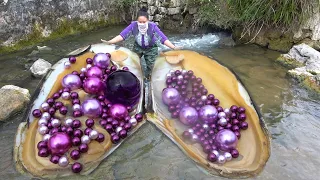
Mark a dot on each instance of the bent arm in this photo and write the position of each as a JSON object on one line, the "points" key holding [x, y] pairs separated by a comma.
{"points": [[124, 34], [116, 39], [163, 38]]}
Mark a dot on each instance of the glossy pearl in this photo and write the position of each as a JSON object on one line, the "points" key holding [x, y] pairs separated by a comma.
{"points": [[43, 130], [191, 131], [203, 98], [133, 121], [180, 77], [168, 75], [46, 137], [228, 156], [184, 72], [85, 139], [118, 129], [76, 167], [46, 116], [88, 66], [188, 115], [216, 153], [222, 122], [67, 65], [55, 122], [68, 122], [205, 126], [222, 115], [226, 140], [63, 161], [221, 159], [43, 122], [93, 134], [76, 107], [195, 137], [83, 70], [65, 95], [227, 111], [45, 106], [78, 133]]}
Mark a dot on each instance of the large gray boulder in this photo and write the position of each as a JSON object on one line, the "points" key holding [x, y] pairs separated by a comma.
{"points": [[40, 67]]}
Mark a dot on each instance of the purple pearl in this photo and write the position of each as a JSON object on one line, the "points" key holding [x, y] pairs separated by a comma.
{"points": [[235, 122], [82, 76], [53, 131], [112, 134], [219, 109], [122, 124], [216, 102], [186, 135], [49, 126], [207, 136], [172, 108], [183, 93], [101, 98], [75, 101], [233, 108], [66, 89], [179, 82], [202, 139], [204, 143], [60, 91], [244, 125], [100, 138], [115, 139], [78, 133], [242, 117], [190, 72], [211, 141], [125, 68], [43, 152], [76, 141], [213, 126], [235, 128], [109, 105], [58, 104], [108, 54], [89, 61], [212, 157], [76, 167], [115, 123], [229, 126], [220, 128], [89, 123], [198, 133], [211, 132], [204, 91], [50, 101], [139, 117], [202, 131], [42, 144], [237, 133], [72, 59], [208, 102], [129, 108], [77, 114], [174, 79], [63, 110], [185, 81], [75, 154], [233, 116], [74, 95], [104, 110], [113, 68], [195, 90], [169, 86], [127, 126], [76, 123], [108, 71], [83, 148], [109, 128], [109, 120], [75, 73], [207, 149], [175, 114], [103, 104], [103, 122], [241, 110], [234, 153], [56, 96], [193, 78], [123, 134], [177, 72], [214, 147], [54, 159], [69, 131], [63, 128], [199, 80], [200, 103], [52, 111], [87, 131]]}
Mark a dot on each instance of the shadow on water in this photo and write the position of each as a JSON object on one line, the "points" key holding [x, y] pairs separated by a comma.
{"points": [[290, 112]]}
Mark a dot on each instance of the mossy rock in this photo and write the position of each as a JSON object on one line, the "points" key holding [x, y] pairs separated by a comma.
{"points": [[282, 44], [306, 79], [288, 62]]}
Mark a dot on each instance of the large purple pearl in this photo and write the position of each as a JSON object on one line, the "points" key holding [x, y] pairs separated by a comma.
{"points": [[76, 167], [91, 108], [93, 85], [118, 111], [170, 96], [94, 72], [59, 143], [101, 60], [226, 140], [208, 113], [188, 115], [71, 81]]}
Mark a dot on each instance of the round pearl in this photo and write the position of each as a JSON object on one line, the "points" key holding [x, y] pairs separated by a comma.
{"points": [[180, 77], [216, 153], [67, 65], [65, 95], [89, 66], [205, 126], [203, 98], [46, 116], [43, 130], [221, 159], [171, 71], [83, 70], [42, 122], [223, 122], [191, 131], [76, 107], [55, 123], [85, 139], [194, 137], [46, 137], [228, 156], [45, 106], [133, 121], [118, 129], [184, 72], [93, 134], [222, 115], [227, 111], [169, 75], [63, 161], [68, 122]]}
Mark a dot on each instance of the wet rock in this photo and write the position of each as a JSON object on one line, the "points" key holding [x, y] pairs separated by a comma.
{"points": [[40, 67], [227, 41], [152, 10], [193, 10], [173, 11], [33, 53], [157, 17], [44, 48], [13, 99], [163, 10], [306, 79]]}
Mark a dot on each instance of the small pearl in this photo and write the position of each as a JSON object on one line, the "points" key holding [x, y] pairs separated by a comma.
{"points": [[43, 130], [46, 137], [228, 156], [184, 72], [67, 65], [203, 98], [42, 122], [83, 70], [223, 122], [216, 153], [89, 66], [205, 126], [222, 115], [169, 75], [133, 121], [68, 122], [65, 95], [171, 71], [63, 161], [119, 129], [76, 107], [180, 77], [221, 159], [45, 106], [93, 134], [46, 116], [191, 131], [195, 137], [85, 139], [55, 123], [227, 111]]}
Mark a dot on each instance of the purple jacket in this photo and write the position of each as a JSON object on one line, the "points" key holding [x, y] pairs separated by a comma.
{"points": [[152, 37]]}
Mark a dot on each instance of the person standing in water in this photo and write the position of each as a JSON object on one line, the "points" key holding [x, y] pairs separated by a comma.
{"points": [[147, 36]]}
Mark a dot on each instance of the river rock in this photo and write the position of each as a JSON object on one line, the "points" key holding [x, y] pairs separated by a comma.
{"points": [[157, 17], [44, 48], [152, 10], [306, 79], [40, 67], [163, 10], [12, 100], [173, 11]]}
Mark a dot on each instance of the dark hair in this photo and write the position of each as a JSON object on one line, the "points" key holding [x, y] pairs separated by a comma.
{"points": [[143, 12]]}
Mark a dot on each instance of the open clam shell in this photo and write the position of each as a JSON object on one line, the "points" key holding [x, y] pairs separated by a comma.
{"points": [[25, 149], [254, 144]]}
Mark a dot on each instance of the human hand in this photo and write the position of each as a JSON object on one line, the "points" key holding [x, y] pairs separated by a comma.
{"points": [[105, 41]]}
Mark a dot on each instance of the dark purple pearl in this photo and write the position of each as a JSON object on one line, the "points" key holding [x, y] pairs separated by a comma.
{"points": [[202, 139], [89, 61], [235, 122], [56, 96], [186, 135], [76, 167], [177, 72], [179, 82], [112, 134], [108, 71], [100, 138], [83, 148], [76, 123], [220, 128], [75, 73], [54, 159], [66, 89], [109, 128], [213, 126], [199, 80], [233, 115], [177, 87], [200, 103], [53, 131], [72, 59], [235, 128], [211, 141], [127, 126], [87, 131], [82, 76], [207, 136], [101, 98], [174, 79], [104, 110], [115, 124], [170, 86], [63, 128], [43, 152], [60, 91], [69, 131], [204, 143], [109, 105], [185, 81], [74, 95], [75, 101], [234, 153], [242, 117], [216, 102], [63, 110], [219, 109], [198, 133], [244, 125], [109, 120], [75, 154], [241, 110], [193, 104], [49, 126], [195, 90], [50, 101], [77, 114], [139, 117], [115, 139], [233, 108], [52, 111], [42, 144], [194, 128], [121, 124], [103, 105], [78, 133], [207, 149], [76, 141], [208, 102], [108, 54], [198, 94], [228, 126], [193, 78], [198, 126], [103, 122], [123, 134], [212, 157], [175, 115], [202, 131], [89, 123], [214, 147], [211, 132], [125, 68], [184, 93], [113, 68], [171, 108], [237, 133], [198, 108], [204, 91], [183, 87]]}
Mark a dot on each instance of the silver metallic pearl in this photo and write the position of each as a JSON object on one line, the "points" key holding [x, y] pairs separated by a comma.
{"points": [[171, 71], [43, 130], [215, 152], [68, 122], [93, 134], [191, 131], [42, 122], [228, 156], [65, 95], [184, 71], [180, 77], [46, 116], [222, 122], [45, 106], [76, 107], [83, 70], [221, 159], [55, 122], [133, 121], [46, 137], [205, 126], [169, 75], [227, 111], [119, 129], [89, 66], [67, 65], [222, 115], [63, 161], [85, 139], [194, 137], [203, 98]]}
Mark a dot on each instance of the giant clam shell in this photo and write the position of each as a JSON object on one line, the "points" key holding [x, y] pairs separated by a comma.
{"points": [[254, 144], [25, 149]]}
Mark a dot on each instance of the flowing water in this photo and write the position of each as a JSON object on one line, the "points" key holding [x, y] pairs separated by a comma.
{"points": [[291, 113]]}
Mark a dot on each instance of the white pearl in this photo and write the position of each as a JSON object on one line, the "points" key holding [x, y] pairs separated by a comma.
{"points": [[76, 107], [223, 122], [83, 70], [85, 139], [184, 71], [195, 137], [45, 106], [65, 95], [67, 65], [89, 66], [43, 130], [222, 115], [180, 77], [46, 116], [68, 122], [203, 98], [169, 75], [205, 126], [172, 71], [215, 152], [63, 161], [228, 156], [133, 121], [118, 129], [55, 123], [93, 134], [42, 122], [191, 131], [46, 137], [227, 111], [221, 159]]}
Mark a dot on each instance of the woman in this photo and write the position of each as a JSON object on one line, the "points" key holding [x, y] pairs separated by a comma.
{"points": [[147, 38]]}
